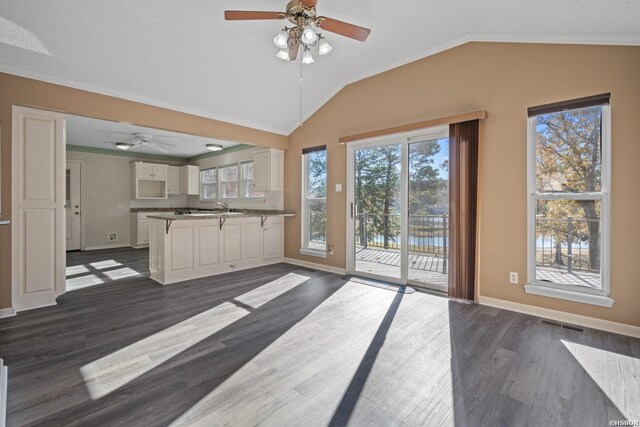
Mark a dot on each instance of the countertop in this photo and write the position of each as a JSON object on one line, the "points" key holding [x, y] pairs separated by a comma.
{"points": [[234, 213]]}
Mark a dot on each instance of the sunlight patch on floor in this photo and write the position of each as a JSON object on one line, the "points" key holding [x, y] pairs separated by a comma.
{"points": [[266, 293], [617, 375], [332, 357], [117, 369], [76, 269], [83, 282], [101, 265], [121, 273]]}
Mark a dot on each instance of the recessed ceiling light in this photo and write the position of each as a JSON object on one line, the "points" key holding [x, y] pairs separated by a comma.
{"points": [[123, 145], [214, 147]]}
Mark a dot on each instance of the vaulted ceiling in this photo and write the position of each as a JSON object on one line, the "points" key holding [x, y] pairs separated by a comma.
{"points": [[183, 55]]}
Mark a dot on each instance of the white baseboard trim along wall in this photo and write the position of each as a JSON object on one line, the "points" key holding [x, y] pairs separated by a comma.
{"points": [[114, 246], [561, 316], [7, 312], [313, 265]]}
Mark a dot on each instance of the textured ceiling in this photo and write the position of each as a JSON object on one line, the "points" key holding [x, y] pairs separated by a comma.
{"points": [[90, 132], [183, 55]]}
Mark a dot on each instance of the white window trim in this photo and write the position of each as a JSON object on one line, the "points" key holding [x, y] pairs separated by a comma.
{"points": [[243, 197], [220, 182], [556, 290], [205, 199], [304, 244]]}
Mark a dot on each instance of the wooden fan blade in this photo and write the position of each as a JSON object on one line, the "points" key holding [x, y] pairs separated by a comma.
{"points": [[343, 28], [242, 15], [309, 3]]}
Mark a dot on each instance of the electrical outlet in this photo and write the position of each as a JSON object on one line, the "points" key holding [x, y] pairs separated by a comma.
{"points": [[513, 278], [112, 236]]}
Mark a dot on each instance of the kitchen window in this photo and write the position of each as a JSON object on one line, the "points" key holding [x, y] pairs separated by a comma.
{"points": [[209, 184], [246, 174], [229, 182], [314, 201], [569, 200]]}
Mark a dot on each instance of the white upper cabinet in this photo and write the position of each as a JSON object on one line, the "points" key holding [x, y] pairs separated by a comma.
{"points": [[173, 180], [148, 181], [151, 171], [268, 170], [190, 180]]}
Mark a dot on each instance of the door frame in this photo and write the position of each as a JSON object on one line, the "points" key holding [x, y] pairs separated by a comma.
{"points": [[376, 142], [82, 203]]}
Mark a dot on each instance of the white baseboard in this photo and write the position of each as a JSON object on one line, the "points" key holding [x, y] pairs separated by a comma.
{"points": [[561, 316], [7, 312], [315, 266], [112, 246]]}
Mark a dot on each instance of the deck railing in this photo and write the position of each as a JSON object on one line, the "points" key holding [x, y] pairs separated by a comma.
{"points": [[428, 234], [564, 243]]}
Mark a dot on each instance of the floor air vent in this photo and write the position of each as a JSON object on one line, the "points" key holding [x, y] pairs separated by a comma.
{"points": [[562, 325]]}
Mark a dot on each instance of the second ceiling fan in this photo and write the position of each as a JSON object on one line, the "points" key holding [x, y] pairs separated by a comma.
{"points": [[302, 14]]}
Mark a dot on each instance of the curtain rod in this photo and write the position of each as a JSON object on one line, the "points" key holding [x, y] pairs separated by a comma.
{"points": [[455, 118]]}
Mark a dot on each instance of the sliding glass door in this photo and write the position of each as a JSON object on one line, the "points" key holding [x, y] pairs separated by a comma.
{"points": [[377, 204], [398, 209]]}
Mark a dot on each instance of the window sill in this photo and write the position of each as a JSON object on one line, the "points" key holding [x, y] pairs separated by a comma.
{"points": [[312, 252], [536, 288]]}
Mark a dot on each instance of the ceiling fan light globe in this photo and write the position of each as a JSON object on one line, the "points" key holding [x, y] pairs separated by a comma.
{"points": [[324, 47], [308, 35], [280, 40], [214, 147], [123, 145], [307, 57], [283, 54]]}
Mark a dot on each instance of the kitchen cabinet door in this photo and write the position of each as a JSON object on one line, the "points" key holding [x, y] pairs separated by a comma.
{"points": [[272, 238], [252, 239], [232, 241], [173, 180]]}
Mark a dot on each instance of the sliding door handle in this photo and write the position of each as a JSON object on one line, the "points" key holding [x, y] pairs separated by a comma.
{"points": [[351, 210]]}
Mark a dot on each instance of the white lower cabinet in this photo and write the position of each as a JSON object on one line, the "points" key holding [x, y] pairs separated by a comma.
{"points": [[273, 238], [189, 249], [140, 229]]}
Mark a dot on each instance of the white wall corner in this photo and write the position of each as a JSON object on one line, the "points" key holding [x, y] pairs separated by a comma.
{"points": [[561, 316]]}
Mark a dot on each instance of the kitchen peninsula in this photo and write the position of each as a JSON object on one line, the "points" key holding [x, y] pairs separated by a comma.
{"points": [[200, 244]]}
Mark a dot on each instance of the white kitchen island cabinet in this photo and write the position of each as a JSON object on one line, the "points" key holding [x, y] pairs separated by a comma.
{"points": [[189, 248]]}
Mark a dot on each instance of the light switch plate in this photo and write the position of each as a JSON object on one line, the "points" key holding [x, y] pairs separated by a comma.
{"points": [[338, 188]]}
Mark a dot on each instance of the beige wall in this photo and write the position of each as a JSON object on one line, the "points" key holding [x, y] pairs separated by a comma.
{"points": [[106, 197], [31, 93], [504, 79]]}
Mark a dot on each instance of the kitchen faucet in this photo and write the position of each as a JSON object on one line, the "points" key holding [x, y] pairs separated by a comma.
{"points": [[225, 207]]}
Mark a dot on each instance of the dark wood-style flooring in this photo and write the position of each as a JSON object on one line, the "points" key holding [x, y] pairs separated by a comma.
{"points": [[286, 346]]}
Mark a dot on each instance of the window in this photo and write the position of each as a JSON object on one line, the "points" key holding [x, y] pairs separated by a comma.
{"points": [[209, 184], [246, 173], [569, 157], [229, 182], [314, 201]]}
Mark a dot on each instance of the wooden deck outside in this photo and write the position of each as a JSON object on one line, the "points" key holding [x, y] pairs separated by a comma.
{"points": [[429, 269]]}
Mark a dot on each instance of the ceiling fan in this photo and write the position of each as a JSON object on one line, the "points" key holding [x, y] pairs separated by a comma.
{"points": [[302, 14], [142, 140]]}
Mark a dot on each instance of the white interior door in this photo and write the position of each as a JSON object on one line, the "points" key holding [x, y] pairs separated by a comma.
{"points": [[38, 213], [72, 205]]}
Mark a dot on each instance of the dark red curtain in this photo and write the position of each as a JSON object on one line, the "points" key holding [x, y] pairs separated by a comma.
{"points": [[463, 201]]}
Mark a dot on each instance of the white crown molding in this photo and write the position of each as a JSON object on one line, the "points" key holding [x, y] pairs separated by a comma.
{"points": [[584, 39], [561, 316], [50, 78], [629, 39]]}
